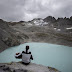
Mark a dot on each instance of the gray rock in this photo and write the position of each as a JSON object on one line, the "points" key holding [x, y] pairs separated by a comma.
{"points": [[4, 68], [20, 70], [19, 67]]}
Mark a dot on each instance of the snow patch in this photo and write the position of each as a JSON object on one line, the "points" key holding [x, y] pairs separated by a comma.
{"points": [[40, 22], [69, 28]]}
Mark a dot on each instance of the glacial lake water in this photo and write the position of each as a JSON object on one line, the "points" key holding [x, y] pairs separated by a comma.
{"points": [[57, 56]]}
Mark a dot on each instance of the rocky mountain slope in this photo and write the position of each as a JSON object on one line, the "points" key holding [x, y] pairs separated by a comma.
{"points": [[49, 30], [7, 36]]}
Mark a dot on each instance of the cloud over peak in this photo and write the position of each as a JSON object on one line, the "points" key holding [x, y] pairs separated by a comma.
{"points": [[16, 10]]}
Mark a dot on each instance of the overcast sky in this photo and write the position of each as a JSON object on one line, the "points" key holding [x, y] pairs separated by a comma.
{"points": [[16, 10]]}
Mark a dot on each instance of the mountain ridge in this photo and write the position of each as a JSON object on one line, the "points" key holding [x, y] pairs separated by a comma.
{"points": [[49, 30]]}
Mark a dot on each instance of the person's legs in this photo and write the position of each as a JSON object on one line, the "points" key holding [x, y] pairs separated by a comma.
{"points": [[25, 63]]}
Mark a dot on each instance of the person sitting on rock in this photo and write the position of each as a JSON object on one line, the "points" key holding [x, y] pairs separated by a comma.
{"points": [[26, 56]]}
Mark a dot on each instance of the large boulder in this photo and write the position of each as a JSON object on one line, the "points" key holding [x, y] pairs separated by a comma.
{"points": [[19, 67]]}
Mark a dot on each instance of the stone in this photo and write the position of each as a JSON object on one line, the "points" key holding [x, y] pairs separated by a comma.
{"points": [[20, 70]]}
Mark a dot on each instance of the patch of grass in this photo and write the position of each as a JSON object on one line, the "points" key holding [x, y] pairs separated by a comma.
{"points": [[41, 34], [64, 36]]}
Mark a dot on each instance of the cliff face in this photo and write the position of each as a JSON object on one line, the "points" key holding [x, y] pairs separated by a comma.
{"points": [[7, 37], [47, 30]]}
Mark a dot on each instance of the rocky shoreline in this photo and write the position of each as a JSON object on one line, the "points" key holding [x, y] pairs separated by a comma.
{"points": [[19, 67]]}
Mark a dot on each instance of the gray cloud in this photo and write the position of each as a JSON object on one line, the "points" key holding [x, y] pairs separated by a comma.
{"points": [[16, 10]]}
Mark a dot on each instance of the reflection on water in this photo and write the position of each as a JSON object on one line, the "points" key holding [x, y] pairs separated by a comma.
{"points": [[57, 56]]}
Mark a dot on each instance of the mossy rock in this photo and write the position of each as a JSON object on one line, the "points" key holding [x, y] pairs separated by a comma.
{"points": [[51, 69]]}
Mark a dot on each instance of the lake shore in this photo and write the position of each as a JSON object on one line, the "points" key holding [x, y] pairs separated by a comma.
{"points": [[30, 41], [16, 33], [19, 67]]}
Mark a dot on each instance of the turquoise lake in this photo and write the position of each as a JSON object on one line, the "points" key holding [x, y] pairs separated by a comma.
{"points": [[57, 56]]}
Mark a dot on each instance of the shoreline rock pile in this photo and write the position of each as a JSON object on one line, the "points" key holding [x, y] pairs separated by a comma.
{"points": [[19, 67]]}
